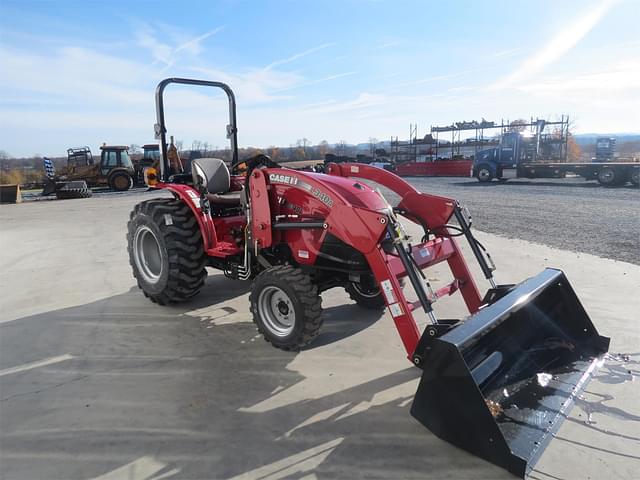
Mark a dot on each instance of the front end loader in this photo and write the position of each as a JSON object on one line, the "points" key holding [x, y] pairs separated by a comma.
{"points": [[64, 189], [497, 383]]}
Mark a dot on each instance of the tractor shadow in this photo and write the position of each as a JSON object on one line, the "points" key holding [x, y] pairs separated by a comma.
{"points": [[147, 391], [156, 392], [339, 322], [343, 321]]}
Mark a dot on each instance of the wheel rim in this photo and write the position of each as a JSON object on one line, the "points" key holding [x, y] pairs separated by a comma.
{"points": [[121, 182], [370, 292], [484, 174], [635, 176], [607, 176], [147, 254], [276, 310]]}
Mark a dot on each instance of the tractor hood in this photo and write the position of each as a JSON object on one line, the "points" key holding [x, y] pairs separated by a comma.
{"points": [[354, 191]]}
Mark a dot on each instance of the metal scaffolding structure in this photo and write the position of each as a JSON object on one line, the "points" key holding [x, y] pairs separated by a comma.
{"points": [[485, 134], [405, 150]]}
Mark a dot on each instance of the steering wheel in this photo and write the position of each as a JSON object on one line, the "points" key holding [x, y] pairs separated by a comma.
{"points": [[256, 161]]}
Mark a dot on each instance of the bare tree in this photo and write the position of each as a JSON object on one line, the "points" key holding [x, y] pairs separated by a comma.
{"points": [[323, 148], [274, 152], [518, 125]]}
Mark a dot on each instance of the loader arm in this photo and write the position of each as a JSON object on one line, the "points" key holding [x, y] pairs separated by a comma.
{"points": [[429, 211]]}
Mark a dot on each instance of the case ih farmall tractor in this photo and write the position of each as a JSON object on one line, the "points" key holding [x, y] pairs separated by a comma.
{"points": [[497, 383]]}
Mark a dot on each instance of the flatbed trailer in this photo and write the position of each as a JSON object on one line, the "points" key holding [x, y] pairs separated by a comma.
{"points": [[606, 173], [518, 157]]}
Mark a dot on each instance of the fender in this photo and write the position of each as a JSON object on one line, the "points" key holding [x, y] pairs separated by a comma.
{"points": [[486, 157], [191, 197]]}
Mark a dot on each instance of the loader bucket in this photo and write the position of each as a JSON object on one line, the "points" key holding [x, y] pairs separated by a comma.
{"points": [[500, 384]]}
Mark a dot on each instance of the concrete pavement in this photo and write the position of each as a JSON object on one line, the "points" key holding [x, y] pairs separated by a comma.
{"points": [[97, 382]]}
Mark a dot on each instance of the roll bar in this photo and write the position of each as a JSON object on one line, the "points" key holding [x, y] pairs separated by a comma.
{"points": [[160, 128]]}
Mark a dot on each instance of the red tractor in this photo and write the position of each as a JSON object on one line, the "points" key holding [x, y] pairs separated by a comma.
{"points": [[296, 234]]}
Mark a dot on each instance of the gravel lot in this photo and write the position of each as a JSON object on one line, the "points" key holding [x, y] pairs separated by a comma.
{"points": [[569, 213]]}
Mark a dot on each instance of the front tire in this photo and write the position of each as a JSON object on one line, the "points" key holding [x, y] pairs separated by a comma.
{"points": [[484, 174], [634, 177], [166, 252], [286, 307]]}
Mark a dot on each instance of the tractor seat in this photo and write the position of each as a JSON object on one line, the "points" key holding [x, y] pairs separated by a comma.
{"points": [[214, 175]]}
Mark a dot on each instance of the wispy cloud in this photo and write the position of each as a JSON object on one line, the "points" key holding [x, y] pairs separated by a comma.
{"points": [[296, 56], [194, 45], [558, 46], [436, 78], [363, 100], [507, 53], [620, 77], [319, 80], [164, 53], [393, 43], [253, 85]]}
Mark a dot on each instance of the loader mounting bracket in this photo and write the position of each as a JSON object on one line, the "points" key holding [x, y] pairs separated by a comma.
{"points": [[496, 293], [430, 333]]}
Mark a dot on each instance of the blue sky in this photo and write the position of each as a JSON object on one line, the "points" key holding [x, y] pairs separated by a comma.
{"points": [[83, 72]]}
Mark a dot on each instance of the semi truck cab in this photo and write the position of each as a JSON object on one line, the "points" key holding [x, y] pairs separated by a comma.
{"points": [[494, 162]]}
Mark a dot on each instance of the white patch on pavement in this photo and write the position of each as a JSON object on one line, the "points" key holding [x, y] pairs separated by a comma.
{"points": [[299, 463], [38, 364], [318, 417], [144, 468], [398, 392]]}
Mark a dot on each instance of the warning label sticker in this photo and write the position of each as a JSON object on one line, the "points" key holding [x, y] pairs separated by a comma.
{"points": [[355, 169], [425, 253], [387, 289], [395, 309]]}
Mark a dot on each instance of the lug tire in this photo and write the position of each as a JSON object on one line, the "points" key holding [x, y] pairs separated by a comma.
{"points": [[372, 300], [73, 193], [302, 304], [634, 176], [166, 252], [117, 182], [484, 174]]}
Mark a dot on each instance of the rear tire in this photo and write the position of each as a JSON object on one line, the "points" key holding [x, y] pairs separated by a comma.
{"points": [[608, 177], [166, 252], [286, 307], [483, 174], [634, 176], [120, 182]]}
